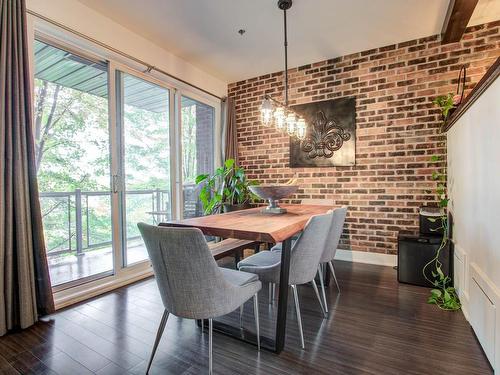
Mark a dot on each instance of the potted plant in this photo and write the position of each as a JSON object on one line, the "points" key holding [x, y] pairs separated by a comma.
{"points": [[443, 294], [447, 103], [226, 190]]}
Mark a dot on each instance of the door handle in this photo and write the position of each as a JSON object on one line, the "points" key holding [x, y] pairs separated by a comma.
{"points": [[115, 183]]}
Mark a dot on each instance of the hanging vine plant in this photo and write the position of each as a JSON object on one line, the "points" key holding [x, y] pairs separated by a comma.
{"points": [[443, 294]]}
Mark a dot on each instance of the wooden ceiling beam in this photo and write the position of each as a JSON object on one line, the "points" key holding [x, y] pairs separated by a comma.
{"points": [[456, 20]]}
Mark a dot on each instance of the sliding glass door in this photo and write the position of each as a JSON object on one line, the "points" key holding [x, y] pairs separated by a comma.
{"points": [[144, 116], [114, 147], [197, 143], [73, 162]]}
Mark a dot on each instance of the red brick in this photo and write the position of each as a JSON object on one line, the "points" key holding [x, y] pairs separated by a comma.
{"points": [[397, 129]]}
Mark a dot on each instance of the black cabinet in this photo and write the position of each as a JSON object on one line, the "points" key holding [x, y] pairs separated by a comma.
{"points": [[414, 251]]}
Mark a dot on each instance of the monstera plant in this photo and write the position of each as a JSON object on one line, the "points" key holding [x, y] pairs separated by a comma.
{"points": [[226, 190]]}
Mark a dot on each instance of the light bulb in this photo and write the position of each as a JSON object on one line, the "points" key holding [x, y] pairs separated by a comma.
{"points": [[279, 117], [266, 111], [300, 132], [290, 123]]}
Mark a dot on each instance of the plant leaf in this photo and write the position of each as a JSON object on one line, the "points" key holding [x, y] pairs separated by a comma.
{"points": [[436, 293], [201, 177]]}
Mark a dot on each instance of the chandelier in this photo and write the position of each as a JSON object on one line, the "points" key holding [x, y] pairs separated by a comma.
{"points": [[273, 111]]}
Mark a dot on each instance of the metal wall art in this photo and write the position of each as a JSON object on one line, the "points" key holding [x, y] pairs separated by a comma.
{"points": [[331, 135]]}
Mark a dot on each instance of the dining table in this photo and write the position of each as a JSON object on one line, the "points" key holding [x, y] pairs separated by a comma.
{"points": [[254, 224]]}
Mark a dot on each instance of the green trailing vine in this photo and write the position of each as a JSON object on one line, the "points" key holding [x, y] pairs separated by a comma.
{"points": [[443, 294], [445, 103]]}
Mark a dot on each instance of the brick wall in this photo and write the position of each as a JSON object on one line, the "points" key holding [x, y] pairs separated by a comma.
{"points": [[397, 128]]}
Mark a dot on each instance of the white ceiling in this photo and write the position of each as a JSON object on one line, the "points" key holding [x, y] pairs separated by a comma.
{"points": [[205, 32], [485, 11]]}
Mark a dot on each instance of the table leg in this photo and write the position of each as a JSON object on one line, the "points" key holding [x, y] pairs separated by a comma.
{"points": [[327, 274], [257, 248], [242, 334], [238, 254], [283, 295]]}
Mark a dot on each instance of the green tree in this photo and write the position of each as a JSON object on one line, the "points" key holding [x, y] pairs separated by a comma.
{"points": [[72, 143]]}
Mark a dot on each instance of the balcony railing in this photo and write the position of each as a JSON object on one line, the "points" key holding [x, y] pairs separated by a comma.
{"points": [[79, 221]]}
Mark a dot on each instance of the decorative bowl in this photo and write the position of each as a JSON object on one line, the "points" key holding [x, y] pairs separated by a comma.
{"points": [[273, 193]]}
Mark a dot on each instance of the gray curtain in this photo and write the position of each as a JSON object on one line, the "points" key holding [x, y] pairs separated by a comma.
{"points": [[25, 291], [231, 139]]}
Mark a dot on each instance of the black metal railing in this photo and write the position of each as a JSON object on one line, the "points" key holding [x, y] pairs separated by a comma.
{"points": [[74, 224], [73, 213]]}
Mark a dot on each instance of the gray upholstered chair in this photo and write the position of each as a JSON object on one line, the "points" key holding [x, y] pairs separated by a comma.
{"points": [[305, 257], [312, 201], [190, 282], [328, 203], [332, 243]]}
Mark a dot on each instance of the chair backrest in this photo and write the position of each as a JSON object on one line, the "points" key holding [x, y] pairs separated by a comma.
{"points": [[334, 236], [190, 282], [308, 248]]}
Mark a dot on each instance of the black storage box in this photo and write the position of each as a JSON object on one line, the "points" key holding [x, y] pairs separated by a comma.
{"points": [[414, 251], [430, 220]]}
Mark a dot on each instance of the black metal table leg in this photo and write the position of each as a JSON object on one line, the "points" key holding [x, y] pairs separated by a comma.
{"points": [[237, 257], [283, 296], [257, 248], [327, 275]]}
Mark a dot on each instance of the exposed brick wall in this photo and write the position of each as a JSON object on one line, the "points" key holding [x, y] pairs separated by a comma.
{"points": [[397, 128]]}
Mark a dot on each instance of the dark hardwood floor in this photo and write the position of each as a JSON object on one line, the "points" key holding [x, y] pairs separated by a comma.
{"points": [[375, 326]]}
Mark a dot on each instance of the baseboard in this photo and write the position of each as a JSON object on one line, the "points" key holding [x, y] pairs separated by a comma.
{"points": [[367, 257], [71, 296]]}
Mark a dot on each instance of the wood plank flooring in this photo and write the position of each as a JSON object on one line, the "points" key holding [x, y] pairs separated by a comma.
{"points": [[375, 326]]}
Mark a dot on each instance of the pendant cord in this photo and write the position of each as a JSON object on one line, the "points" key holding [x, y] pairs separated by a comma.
{"points": [[286, 58]]}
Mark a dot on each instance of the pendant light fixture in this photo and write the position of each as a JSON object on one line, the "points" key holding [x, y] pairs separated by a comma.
{"points": [[272, 111]]}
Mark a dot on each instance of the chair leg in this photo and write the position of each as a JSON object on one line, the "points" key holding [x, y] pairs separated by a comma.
{"points": [[318, 297], [274, 291], [210, 367], [333, 274], [256, 314], [270, 293], [299, 318], [159, 333], [322, 281], [241, 315]]}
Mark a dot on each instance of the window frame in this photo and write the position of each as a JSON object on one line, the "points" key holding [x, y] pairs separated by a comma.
{"points": [[82, 289], [216, 144]]}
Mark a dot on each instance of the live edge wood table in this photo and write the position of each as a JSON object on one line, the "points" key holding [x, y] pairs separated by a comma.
{"points": [[254, 225]]}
